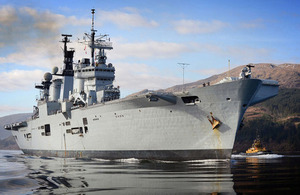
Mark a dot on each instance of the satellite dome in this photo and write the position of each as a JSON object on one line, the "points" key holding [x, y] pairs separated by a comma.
{"points": [[47, 76], [54, 70]]}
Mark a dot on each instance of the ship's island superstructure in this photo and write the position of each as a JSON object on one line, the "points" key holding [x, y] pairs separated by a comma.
{"points": [[80, 114]]}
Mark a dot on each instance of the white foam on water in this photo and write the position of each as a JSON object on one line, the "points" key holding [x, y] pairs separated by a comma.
{"points": [[126, 160], [208, 160], [101, 160], [262, 156], [135, 160]]}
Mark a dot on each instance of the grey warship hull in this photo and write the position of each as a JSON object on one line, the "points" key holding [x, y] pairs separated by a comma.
{"points": [[80, 113], [137, 127]]}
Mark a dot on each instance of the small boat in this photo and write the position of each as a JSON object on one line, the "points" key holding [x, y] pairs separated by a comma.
{"points": [[257, 148]]}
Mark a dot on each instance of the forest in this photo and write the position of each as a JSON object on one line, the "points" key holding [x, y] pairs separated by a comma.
{"points": [[278, 128]]}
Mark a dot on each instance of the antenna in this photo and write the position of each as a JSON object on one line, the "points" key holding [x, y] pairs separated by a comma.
{"points": [[96, 42], [65, 41], [183, 65], [93, 12], [93, 38], [68, 56], [228, 74], [249, 67]]}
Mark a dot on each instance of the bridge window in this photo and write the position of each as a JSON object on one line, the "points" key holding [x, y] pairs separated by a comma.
{"points": [[84, 120], [47, 130], [190, 99]]}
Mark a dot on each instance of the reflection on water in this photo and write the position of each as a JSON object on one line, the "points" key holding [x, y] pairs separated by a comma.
{"points": [[132, 176], [266, 174], [13, 174]]}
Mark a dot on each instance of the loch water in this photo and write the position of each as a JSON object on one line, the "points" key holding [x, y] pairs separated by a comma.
{"points": [[273, 173]]}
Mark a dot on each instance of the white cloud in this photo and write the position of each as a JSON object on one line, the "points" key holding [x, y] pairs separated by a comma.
{"points": [[48, 21], [198, 27], [32, 24], [38, 46], [249, 54], [136, 77], [210, 71], [127, 18], [258, 23], [149, 49], [46, 53], [7, 110], [241, 52], [7, 15], [19, 79]]}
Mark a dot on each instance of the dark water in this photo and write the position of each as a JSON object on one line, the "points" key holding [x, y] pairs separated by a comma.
{"points": [[21, 174]]}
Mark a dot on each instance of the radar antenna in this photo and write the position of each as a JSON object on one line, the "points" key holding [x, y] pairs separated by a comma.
{"points": [[183, 65], [100, 42], [68, 57], [250, 66], [228, 74], [93, 32]]}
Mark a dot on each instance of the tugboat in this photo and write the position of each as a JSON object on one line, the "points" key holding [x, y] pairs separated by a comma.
{"points": [[257, 148]]}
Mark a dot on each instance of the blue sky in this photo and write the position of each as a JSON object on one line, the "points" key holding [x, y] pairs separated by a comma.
{"points": [[149, 39]]}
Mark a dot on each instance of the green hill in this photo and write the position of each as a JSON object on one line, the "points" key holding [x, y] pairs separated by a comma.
{"points": [[276, 121]]}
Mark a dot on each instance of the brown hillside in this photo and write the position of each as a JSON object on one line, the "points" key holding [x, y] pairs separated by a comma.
{"points": [[288, 75]]}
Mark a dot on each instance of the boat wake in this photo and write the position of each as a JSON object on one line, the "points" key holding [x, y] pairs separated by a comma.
{"points": [[137, 161], [263, 156], [125, 160]]}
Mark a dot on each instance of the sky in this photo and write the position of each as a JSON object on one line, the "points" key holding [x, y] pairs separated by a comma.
{"points": [[149, 38]]}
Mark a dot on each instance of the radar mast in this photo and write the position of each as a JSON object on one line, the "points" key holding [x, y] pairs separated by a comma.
{"points": [[93, 32], [100, 42], [68, 57]]}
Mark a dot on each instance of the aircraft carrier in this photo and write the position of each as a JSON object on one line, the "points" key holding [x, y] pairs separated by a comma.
{"points": [[80, 113]]}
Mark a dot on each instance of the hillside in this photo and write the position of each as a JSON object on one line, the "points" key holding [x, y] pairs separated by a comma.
{"points": [[11, 119], [7, 142], [285, 104], [276, 121], [288, 76]]}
